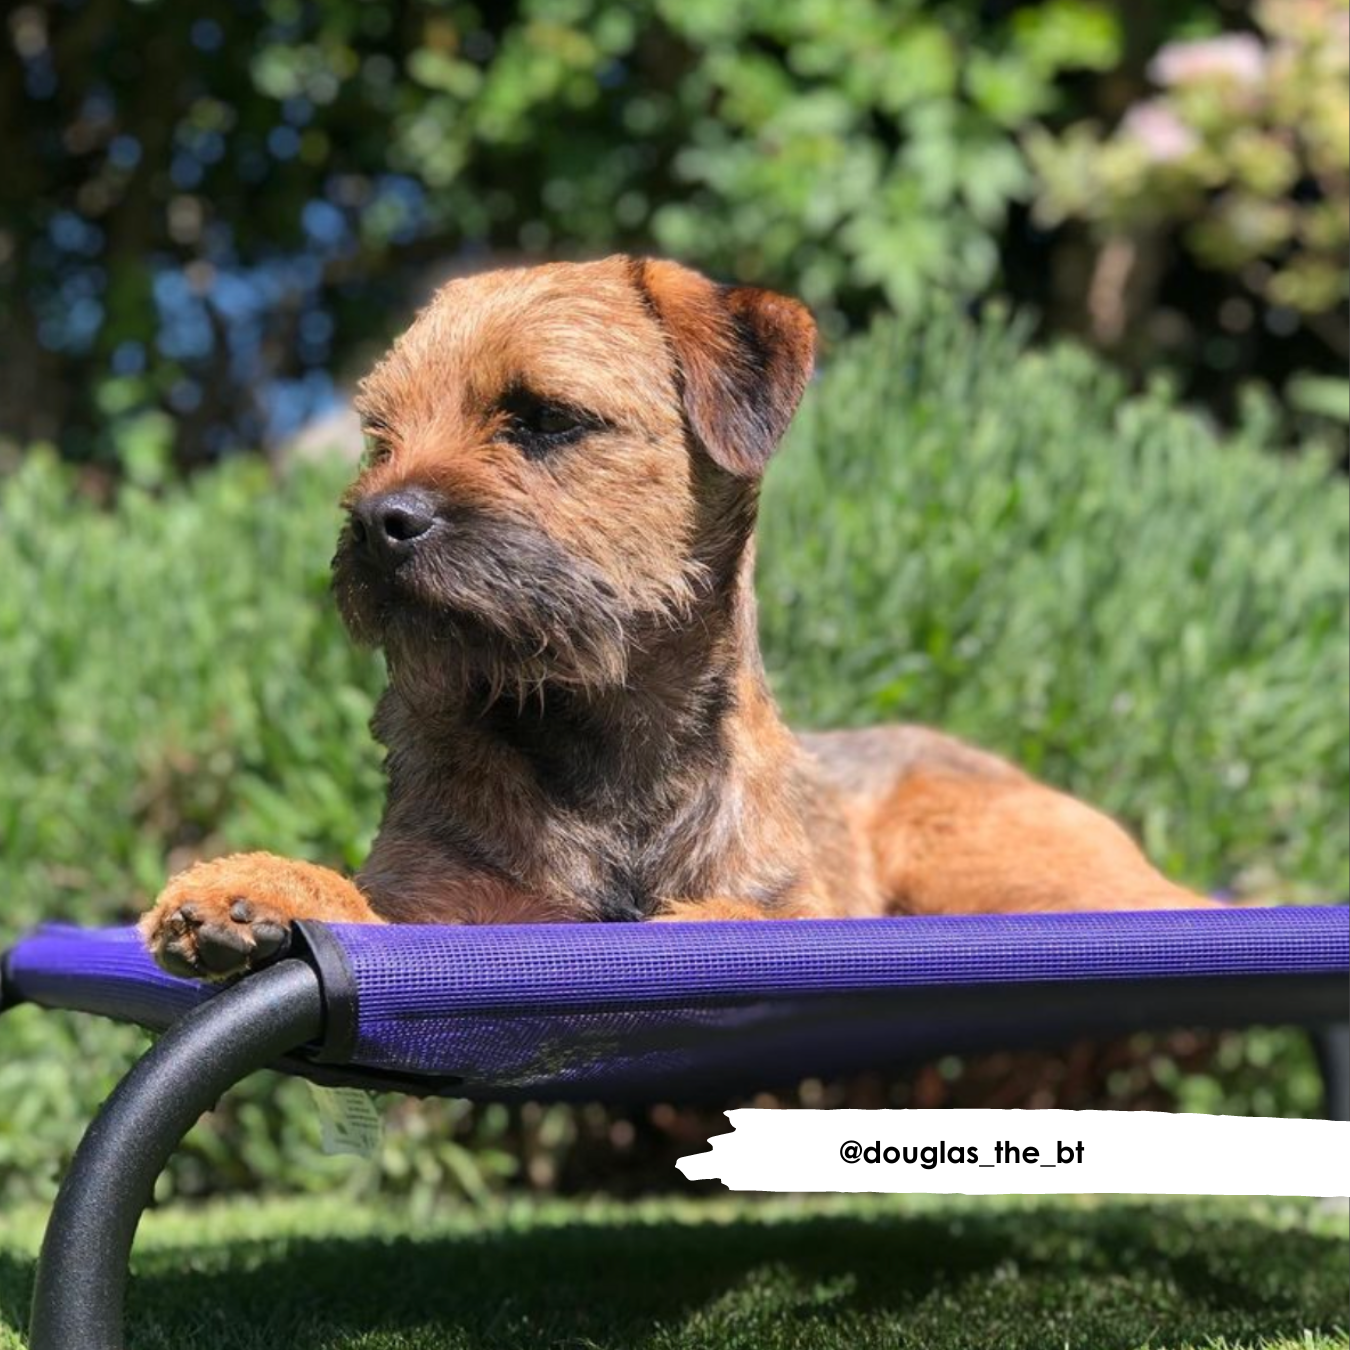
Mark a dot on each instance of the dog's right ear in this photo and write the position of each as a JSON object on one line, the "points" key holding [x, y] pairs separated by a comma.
{"points": [[744, 356]]}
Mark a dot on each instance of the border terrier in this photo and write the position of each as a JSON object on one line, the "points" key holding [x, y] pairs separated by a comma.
{"points": [[552, 540]]}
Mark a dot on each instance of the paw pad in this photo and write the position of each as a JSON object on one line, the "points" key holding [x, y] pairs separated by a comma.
{"points": [[199, 938]]}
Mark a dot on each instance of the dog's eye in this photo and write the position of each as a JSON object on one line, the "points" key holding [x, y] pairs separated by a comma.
{"points": [[551, 421], [538, 425]]}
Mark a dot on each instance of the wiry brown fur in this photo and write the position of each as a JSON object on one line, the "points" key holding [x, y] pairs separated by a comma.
{"points": [[577, 719]]}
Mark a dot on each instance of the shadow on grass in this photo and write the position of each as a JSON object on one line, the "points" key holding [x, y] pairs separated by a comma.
{"points": [[1111, 1277]]}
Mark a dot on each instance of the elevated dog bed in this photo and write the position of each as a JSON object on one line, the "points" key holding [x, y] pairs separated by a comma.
{"points": [[627, 1013]]}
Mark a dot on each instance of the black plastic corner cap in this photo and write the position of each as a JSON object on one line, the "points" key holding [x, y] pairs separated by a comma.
{"points": [[314, 943]]}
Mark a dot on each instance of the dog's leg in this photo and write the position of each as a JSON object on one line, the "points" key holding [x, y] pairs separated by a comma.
{"points": [[951, 843], [219, 918]]}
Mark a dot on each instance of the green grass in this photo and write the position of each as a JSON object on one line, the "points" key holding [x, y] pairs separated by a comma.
{"points": [[1008, 1273]]}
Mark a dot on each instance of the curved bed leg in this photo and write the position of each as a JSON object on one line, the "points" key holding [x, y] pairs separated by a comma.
{"points": [[82, 1271], [1333, 1058]]}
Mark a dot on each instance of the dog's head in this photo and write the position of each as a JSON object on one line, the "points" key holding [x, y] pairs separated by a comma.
{"points": [[563, 458]]}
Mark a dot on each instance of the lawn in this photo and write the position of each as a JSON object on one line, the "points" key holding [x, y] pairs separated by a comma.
{"points": [[1010, 1273]]}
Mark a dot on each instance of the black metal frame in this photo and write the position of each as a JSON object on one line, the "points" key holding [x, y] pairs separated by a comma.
{"points": [[82, 1271], [1332, 1044], [302, 1002]]}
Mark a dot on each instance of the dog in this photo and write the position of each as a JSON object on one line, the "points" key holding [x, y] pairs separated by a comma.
{"points": [[552, 538]]}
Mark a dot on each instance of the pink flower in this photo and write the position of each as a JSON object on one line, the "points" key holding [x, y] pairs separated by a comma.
{"points": [[1163, 135], [1238, 57]]}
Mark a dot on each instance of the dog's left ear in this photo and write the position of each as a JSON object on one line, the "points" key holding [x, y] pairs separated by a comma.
{"points": [[745, 356]]}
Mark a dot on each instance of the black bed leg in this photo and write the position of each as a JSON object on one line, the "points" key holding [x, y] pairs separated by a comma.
{"points": [[1333, 1058], [82, 1271]]}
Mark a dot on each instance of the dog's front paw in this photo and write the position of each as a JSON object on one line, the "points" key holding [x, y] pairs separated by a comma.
{"points": [[212, 922], [222, 918]]}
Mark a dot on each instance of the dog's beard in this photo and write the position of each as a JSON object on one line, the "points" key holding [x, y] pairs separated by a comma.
{"points": [[489, 610]]}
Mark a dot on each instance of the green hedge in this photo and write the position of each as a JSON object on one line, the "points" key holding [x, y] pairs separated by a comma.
{"points": [[959, 530]]}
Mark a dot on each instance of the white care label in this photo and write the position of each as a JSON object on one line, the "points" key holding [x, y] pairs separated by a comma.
{"points": [[348, 1120]]}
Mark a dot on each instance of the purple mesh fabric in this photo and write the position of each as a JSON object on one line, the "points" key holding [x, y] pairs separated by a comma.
{"points": [[641, 1011], [633, 1011], [100, 970]]}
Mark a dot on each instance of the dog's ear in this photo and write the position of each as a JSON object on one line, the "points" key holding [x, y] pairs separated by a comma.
{"points": [[744, 354]]}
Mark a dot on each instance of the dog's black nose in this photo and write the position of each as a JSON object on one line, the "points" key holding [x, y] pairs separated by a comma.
{"points": [[391, 523]]}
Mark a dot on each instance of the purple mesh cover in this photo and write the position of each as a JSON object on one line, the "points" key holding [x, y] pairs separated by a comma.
{"points": [[100, 970], [642, 1011], [646, 1010]]}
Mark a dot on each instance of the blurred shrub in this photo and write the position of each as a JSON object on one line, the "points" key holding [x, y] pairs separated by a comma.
{"points": [[1246, 148], [861, 149], [214, 250], [959, 531]]}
